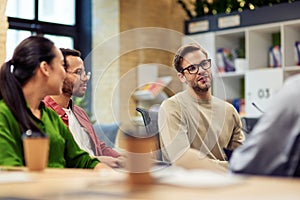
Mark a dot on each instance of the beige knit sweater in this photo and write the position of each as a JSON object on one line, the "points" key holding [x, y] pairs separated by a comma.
{"points": [[192, 130]]}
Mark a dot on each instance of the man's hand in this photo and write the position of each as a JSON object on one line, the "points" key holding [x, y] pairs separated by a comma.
{"points": [[111, 161]]}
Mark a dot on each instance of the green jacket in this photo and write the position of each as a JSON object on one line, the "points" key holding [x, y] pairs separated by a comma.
{"points": [[63, 150]]}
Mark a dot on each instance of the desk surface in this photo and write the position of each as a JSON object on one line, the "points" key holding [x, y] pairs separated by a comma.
{"points": [[89, 184]]}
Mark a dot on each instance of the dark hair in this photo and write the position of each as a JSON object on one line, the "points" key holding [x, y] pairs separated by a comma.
{"points": [[182, 51], [18, 71], [69, 52]]}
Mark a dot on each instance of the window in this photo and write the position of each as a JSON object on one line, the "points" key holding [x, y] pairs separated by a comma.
{"points": [[20, 9], [50, 17], [63, 22], [62, 14], [13, 38], [61, 41]]}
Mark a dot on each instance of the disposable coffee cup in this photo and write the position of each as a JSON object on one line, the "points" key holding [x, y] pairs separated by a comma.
{"points": [[36, 150], [139, 149]]}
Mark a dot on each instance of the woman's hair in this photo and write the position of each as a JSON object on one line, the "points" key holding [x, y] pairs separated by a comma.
{"points": [[182, 51], [18, 71]]}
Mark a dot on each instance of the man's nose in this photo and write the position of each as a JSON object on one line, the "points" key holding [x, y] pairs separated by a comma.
{"points": [[201, 70]]}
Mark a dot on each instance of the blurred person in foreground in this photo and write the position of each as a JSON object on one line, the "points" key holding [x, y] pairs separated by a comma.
{"points": [[75, 84], [194, 125], [273, 146], [35, 71]]}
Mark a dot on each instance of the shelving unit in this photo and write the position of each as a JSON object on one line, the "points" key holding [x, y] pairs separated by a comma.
{"points": [[258, 82], [150, 95]]}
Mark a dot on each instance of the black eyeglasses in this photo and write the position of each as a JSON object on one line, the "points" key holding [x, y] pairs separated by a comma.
{"points": [[82, 74], [193, 69]]}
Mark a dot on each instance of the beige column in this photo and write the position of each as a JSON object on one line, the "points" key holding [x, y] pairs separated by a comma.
{"points": [[3, 30]]}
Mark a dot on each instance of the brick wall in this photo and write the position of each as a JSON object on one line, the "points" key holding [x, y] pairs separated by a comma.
{"points": [[155, 28], [127, 33]]}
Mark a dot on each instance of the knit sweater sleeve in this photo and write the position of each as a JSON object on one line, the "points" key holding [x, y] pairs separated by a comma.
{"points": [[11, 147], [173, 133], [238, 136]]}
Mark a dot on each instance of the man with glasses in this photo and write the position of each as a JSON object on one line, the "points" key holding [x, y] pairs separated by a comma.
{"points": [[194, 125], [75, 84]]}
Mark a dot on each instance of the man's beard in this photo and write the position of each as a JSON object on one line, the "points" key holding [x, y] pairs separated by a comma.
{"points": [[200, 89], [197, 89], [67, 87]]}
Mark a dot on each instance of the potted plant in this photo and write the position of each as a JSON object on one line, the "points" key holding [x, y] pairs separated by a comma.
{"points": [[200, 8], [240, 62]]}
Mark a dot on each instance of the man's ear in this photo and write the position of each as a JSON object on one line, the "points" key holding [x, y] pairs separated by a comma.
{"points": [[181, 77], [44, 68]]}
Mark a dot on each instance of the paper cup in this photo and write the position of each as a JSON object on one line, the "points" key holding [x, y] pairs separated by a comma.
{"points": [[139, 149], [36, 150]]}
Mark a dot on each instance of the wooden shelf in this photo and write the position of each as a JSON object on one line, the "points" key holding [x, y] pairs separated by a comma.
{"points": [[231, 75], [291, 68]]}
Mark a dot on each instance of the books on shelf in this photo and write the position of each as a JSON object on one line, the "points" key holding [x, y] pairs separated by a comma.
{"points": [[275, 56], [225, 60], [297, 52], [239, 105], [151, 90]]}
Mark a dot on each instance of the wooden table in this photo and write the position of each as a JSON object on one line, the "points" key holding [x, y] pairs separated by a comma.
{"points": [[89, 184]]}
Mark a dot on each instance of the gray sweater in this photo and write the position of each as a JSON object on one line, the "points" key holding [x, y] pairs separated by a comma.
{"points": [[273, 147]]}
